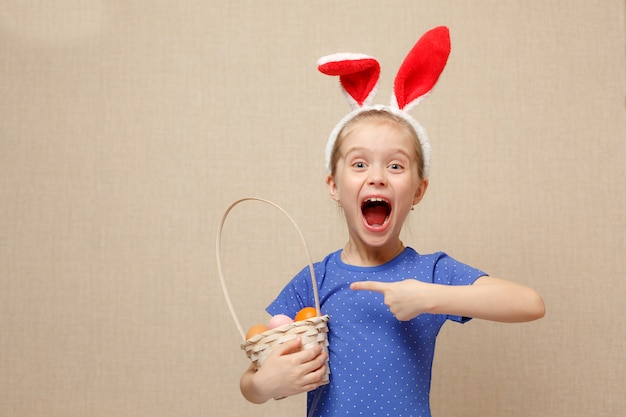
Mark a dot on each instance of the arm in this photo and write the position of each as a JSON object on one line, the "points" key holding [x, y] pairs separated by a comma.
{"points": [[286, 371], [488, 298]]}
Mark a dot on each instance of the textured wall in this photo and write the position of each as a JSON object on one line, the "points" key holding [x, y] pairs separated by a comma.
{"points": [[127, 127]]}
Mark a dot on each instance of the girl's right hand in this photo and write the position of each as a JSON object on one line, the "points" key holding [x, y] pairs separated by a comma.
{"points": [[287, 370]]}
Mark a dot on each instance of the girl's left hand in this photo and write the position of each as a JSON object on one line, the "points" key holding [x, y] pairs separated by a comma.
{"points": [[487, 298], [406, 299]]}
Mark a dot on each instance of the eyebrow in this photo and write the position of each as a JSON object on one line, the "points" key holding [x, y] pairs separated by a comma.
{"points": [[356, 149]]}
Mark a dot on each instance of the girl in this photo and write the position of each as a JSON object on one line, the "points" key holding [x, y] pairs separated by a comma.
{"points": [[386, 302]]}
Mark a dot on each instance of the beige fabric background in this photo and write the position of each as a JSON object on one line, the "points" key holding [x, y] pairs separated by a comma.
{"points": [[127, 127]]}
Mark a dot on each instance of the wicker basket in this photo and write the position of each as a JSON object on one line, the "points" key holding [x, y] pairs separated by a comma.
{"points": [[313, 331]]}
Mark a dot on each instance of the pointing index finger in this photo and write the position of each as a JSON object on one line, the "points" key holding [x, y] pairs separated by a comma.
{"points": [[369, 286]]}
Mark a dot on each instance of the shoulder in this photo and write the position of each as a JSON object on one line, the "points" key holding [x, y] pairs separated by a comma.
{"points": [[410, 255], [435, 258], [321, 268]]}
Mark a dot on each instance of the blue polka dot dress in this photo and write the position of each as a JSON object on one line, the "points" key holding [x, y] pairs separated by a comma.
{"points": [[379, 366]]}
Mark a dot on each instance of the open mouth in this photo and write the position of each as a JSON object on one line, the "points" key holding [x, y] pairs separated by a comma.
{"points": [[375, 211]]}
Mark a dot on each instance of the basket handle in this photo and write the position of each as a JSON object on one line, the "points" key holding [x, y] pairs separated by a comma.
{"points": [[218, 253]]}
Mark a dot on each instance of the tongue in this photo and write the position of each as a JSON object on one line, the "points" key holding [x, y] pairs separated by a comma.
{"points": [[375, 215]]}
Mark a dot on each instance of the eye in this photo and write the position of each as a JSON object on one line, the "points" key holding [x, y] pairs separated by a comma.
{"points": [[359, 165], [395, 167]]}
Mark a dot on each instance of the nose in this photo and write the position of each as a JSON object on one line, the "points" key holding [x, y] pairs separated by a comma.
{"points": [[377, 176]]}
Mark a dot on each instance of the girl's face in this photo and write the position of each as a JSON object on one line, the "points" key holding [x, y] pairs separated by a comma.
{"points": [[376, 181]]}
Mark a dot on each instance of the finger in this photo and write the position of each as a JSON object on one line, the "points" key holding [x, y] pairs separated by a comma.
{"points": [[369, 286], [315, 377], [316, 370], [316, 361], [290, 346], [308, 355], [320, 361]]}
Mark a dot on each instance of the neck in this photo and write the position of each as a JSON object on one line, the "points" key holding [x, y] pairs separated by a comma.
{"points": [[368, 256]]}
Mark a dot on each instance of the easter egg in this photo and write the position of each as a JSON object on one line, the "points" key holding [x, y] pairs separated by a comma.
{"points": [[306, 313], [256, 329], [279, 320]]}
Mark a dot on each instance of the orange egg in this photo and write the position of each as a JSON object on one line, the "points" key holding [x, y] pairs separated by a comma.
{"points": [[306, 313], [256, 329]]}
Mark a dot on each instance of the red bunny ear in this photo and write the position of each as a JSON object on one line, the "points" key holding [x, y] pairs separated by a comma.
{"points": [[358, 74], [420, 70]]}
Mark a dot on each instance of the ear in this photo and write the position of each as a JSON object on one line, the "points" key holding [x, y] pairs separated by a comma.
{"points": [[332, 188], [421, 190], [421, 68]]}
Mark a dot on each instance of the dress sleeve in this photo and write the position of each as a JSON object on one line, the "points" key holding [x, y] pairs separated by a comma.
{"points": [[294, 296], [298, 293]]}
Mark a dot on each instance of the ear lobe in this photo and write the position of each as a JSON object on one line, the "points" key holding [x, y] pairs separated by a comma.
{"points": [[421, 190]]}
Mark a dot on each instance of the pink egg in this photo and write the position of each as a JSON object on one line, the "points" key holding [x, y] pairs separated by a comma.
{"points": [[279, 320]]}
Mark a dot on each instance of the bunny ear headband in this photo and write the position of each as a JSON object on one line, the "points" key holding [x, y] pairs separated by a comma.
{"points": [[418, 74]]}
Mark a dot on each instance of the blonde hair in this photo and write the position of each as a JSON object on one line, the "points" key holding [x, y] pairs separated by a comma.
{"points": [[384, 116]]}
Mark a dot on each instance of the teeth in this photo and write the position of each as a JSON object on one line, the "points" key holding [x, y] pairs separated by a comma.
{"points": [[375, 200]]}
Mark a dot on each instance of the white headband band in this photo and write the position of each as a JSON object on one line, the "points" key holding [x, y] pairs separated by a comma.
{"points": [[418, 74]]}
